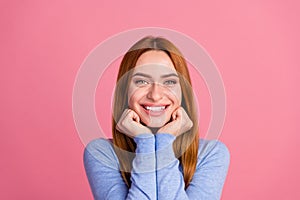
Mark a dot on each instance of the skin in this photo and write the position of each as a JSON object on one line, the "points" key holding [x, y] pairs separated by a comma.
{"points": [[154, 98]]}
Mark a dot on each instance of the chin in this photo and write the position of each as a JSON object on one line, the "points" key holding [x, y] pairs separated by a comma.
{"points": [[155, 122], [155, 125]]}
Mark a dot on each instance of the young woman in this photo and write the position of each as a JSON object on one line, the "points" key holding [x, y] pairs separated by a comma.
{"points": [[156, 152]]}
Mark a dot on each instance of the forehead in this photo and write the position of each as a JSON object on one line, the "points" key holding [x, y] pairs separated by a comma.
{"points": [[155, 57], [154, 62]]}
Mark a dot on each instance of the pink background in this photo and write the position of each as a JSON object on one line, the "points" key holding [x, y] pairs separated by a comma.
{"points": [[255, 45]]}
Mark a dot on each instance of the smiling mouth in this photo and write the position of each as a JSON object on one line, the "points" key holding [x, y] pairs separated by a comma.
{"points": [[155, 108]]}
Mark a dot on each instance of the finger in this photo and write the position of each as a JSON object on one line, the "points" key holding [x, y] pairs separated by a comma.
{"points": [[179, 113], [124, 117], [124, 114], [127, 113], [174, 116], [135, 117], [184, 114]]}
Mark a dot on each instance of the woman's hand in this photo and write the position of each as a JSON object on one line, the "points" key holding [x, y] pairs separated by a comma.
{"points": [[180, 123], [130, 125]]}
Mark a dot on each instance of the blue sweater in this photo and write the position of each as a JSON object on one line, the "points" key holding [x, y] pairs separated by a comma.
{"points": [[156, 172]]}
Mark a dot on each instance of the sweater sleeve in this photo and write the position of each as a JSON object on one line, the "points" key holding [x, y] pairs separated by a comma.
{"points": [[102, 170], [208, 179]]}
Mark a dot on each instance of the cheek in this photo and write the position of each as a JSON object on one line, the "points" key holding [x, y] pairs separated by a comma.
{"points": [[175, 95], [132, 100], [134, 96], [131, 96]]}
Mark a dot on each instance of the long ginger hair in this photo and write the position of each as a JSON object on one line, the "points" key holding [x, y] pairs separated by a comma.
{"points": [[185, 145]]}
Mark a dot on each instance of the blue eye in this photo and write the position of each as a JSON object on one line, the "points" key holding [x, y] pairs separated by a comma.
{"points": [[141, 82], [170, 82]]}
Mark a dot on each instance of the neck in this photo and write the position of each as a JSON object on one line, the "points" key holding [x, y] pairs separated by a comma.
{"points": [[154, 129]]}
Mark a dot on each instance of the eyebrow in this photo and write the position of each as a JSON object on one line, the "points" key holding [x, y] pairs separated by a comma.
{"points": [[148, 76], [168, 75]]}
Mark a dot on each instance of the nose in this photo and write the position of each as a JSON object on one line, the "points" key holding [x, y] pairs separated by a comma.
{"points": [[155, 92]]}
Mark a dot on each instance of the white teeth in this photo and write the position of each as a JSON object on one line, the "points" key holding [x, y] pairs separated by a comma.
{"points": [[155, 109]]}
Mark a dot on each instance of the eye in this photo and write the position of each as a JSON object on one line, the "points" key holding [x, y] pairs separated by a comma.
{"points": [[141, 82], [170, 82]]}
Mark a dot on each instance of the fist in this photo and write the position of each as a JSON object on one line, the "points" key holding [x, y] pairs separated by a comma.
{"points": [[180, 123], [130, 125]]}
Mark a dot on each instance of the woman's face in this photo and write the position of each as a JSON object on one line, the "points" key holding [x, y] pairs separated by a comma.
{"points": [[154, 89]]}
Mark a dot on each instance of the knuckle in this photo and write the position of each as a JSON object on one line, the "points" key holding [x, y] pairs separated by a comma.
{"points": [[118, 127], [191, 124], [123, 123]]}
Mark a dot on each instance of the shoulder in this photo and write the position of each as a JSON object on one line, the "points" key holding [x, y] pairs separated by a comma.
{"points": [[213, 152], [101, 151], [98, 144]]}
